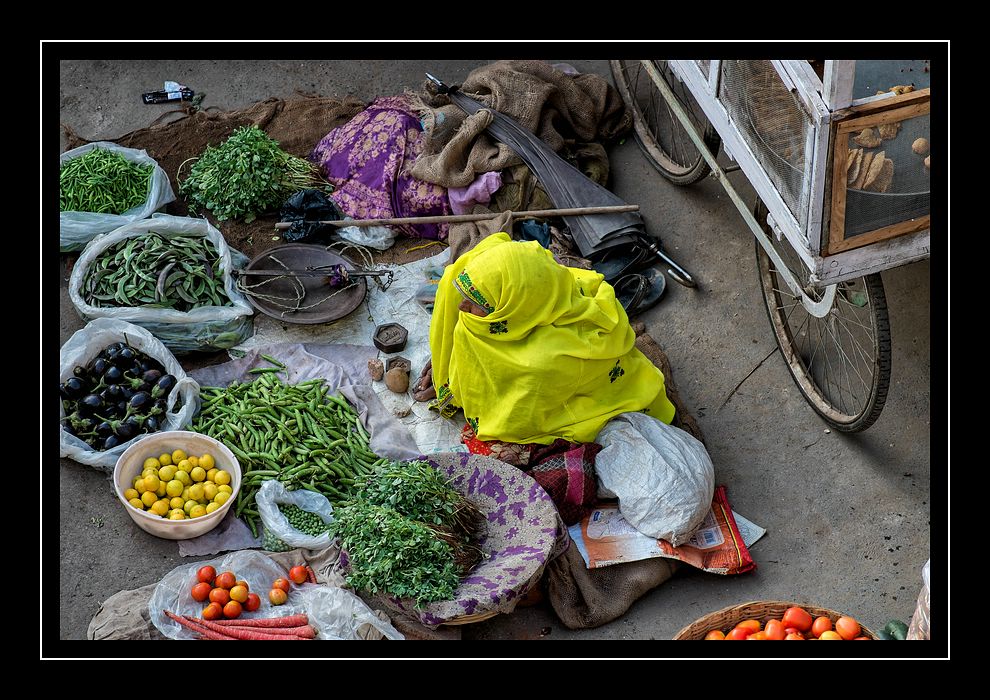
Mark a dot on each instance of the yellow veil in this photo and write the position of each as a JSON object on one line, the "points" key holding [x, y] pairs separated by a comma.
{"points": [[554, 357]]}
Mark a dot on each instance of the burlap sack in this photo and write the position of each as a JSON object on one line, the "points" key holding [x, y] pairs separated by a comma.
{"points": [[559, 108]]}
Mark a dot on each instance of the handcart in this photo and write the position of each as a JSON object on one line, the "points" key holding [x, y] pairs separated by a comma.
{"points": [[838, 153]]}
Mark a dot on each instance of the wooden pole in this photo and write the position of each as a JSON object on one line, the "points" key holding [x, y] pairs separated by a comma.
{"points": [[459, 218]]}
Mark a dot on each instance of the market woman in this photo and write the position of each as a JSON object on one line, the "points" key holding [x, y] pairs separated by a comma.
{"points": [[534, 351]]}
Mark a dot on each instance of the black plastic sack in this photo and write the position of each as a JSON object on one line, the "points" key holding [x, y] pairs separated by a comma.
{"points": [[304, 210]]}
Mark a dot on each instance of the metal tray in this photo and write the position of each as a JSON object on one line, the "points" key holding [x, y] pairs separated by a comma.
{"points": [[298, 256]]}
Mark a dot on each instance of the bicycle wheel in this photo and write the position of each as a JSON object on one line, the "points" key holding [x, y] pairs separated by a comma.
{"points": [[660, 135], [841, 361]]}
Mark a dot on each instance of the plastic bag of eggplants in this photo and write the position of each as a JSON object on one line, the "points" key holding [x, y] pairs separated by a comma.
{"points": [[118, 395]]}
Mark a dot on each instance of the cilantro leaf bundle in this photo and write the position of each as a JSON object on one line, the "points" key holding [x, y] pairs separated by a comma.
{"points": [[247, 175]]}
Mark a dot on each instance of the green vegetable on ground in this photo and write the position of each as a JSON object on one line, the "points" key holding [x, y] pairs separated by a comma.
{"points": [[247, 175], [895, 629], [391, 554], [180, 272], [103, 182]]}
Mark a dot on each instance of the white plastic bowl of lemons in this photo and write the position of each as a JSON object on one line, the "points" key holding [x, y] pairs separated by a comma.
{"points": [[178, 484]]}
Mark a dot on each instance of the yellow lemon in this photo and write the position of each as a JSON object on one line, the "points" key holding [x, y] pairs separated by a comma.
{"points": [[139, 486], [151, 482], [167, 473], [222, 477], [193, 461], [174, 488], [198, 474], [160, 508], [135, 480], [176, 514], [209, 490], [176, 503], [184, 465], [183, 477], [151, 463], [221, 498], [196, 492], [178, 456], [149, 498], [137, 503], [149, 470], [188, 505], [197, 511], [165, 459], [212, 474], [210, 507], [207, 462], [225, 488], [131, 493], [162, 489]]}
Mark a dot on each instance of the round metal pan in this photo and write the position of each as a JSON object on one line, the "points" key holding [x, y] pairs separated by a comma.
{"points": [[321, 303]]}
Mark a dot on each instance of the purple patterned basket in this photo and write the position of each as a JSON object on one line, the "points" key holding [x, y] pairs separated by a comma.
{"points": [[522, 533]]}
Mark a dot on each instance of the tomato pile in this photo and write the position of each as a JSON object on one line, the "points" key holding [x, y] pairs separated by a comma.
{"points": [[228, 595], [281, 587], [795, 624]]}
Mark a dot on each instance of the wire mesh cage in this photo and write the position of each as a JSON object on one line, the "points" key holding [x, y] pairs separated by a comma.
{"points": [[773, 124]]}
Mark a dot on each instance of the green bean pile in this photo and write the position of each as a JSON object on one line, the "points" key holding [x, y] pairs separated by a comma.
{"points": [[180, 272], [301, 520], [299, 434], [103, 182]]}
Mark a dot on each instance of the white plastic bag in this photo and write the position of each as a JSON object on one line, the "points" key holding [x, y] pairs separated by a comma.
{"points": [[77, 228], [335, 613], [662, 476], [204, 328], [920, 627], [84, 345], [272, 493], [377, 237]]}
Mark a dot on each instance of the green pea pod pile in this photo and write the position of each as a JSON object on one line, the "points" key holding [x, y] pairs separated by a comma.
{"points": [[299, 434], [180, 272], [103, 182]]}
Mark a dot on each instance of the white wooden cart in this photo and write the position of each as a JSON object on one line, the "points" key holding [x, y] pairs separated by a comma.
{"points": [[803, 132]]}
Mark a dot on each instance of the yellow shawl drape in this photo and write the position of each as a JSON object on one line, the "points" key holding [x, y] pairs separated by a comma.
{"points": [[554, 358]]}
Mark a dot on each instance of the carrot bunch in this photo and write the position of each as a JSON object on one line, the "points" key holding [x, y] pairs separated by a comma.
{"points": [[275, 629]]}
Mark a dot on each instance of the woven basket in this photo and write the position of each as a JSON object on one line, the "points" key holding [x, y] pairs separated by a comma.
{"points": [[762, 610]]}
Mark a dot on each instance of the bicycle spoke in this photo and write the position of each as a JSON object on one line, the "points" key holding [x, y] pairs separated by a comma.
{"points": [[866, 385], [866, 354], [848, 362]]}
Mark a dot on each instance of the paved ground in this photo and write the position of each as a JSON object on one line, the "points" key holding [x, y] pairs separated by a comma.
{"points": [[847, 516]]}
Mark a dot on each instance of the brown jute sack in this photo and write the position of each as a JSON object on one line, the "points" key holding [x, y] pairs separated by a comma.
{"points": [[559, 108]]}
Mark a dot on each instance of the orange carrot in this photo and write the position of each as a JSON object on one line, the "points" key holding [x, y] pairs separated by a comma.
{"points": [[286, 621], [311, 573], [303, 631], [204, 632], [245, 633]]}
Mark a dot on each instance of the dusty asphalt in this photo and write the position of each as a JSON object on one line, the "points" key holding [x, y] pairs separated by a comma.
{"points": [[847, 517]]}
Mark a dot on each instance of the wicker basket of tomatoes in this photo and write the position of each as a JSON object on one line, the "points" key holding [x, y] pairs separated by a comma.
{"points": [[775, 619]]}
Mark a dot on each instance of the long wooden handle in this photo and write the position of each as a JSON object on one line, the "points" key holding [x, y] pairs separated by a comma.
{"points": [[459, 218]]}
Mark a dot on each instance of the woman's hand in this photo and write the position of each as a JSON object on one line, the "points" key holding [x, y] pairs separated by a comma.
{"points": [[423, 390]]}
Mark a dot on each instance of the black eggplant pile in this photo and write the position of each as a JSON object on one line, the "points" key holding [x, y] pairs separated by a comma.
{"points": [[118, 395]]}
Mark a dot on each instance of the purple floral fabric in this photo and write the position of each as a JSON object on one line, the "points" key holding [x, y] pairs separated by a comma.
{"points": [[522, 533], [368, 160]]}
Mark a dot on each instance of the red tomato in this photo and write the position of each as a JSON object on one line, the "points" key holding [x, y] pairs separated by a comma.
{"points": [[715, 634], [792, 630], [775, 630], [220, 595], [831, 635], [232, 610], [206, 574], [758, 636], [866, 638], [793, 636], [213, 611], [277, 596], [253, 602], [283, 584], [847, 627], [298, 574], [225, 580], [821, 624], [239, 593], [739, 633], [201, 591], [753, 625], [241, 582], [797, 617]]}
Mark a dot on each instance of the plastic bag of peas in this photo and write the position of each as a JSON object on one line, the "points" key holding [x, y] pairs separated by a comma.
{"points": [[293, 518]]}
